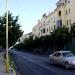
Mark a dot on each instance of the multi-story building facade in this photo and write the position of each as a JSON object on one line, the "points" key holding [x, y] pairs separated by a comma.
{"points": [[63, 15], [22, 38], [66, 10], [36, 30], [42, 28]]}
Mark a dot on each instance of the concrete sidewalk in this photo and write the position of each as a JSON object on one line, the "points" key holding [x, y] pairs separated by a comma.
{"points": [[2, 67]]}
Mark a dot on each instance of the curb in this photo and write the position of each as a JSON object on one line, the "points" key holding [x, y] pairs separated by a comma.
{"points": [[12, 67], [11, 70], [14, 72]]}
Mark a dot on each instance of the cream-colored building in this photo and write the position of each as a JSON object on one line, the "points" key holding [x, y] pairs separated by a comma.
{"points": [[22, 38], [45, 27], [63, 15], [42, 28], [36, 30], [70, 11]]}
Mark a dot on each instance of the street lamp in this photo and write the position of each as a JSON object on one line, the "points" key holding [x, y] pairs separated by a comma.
{"points": [[7, 57]]}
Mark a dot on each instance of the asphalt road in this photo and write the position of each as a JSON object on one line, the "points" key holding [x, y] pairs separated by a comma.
{"points": [[29, 64]]}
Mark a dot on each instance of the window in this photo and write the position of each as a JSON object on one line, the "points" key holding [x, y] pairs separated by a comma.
{"points": [[67, 22], [43, 30], [47, 29], [54, 19], [68, 1], [59, 13], [67, 54], [54, 26], [60, 22], [69, 10], [65, 1], [58, 54], [70, 21], [66, 12], [54, 54]]}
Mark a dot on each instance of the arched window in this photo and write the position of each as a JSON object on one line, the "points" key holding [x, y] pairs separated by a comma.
{"points": [[59, 13]]}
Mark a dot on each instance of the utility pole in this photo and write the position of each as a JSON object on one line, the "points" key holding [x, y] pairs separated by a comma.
{"points": [[7, 57]]}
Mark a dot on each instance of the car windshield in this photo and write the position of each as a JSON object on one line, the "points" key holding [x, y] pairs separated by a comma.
{"points": [[67, 54]]}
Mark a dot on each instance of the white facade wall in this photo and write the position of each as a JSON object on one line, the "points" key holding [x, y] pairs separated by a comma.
{"points": [[22, 38], [63, 15]]}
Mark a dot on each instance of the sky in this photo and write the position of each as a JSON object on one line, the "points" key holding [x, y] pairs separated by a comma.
{"points": [[29, 11]]}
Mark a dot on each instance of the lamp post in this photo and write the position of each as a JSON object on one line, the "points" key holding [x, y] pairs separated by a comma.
{"points": [[7, 57]]}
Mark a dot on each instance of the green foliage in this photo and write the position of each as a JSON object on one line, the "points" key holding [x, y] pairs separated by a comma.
{"points": [[14, 29], [73, 30], [61, 37], [29, 43]]}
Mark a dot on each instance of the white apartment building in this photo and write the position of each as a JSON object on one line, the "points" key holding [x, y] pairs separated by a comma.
{"points": [[36, 30], [42, 28], [63, 15]]}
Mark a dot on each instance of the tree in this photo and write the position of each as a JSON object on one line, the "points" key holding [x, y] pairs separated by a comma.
{"points": [[73, 30], [14, 30], [61, 37]]}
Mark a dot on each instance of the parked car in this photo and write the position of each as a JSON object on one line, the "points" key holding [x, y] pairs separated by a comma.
{"points": [[65, 58]]}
